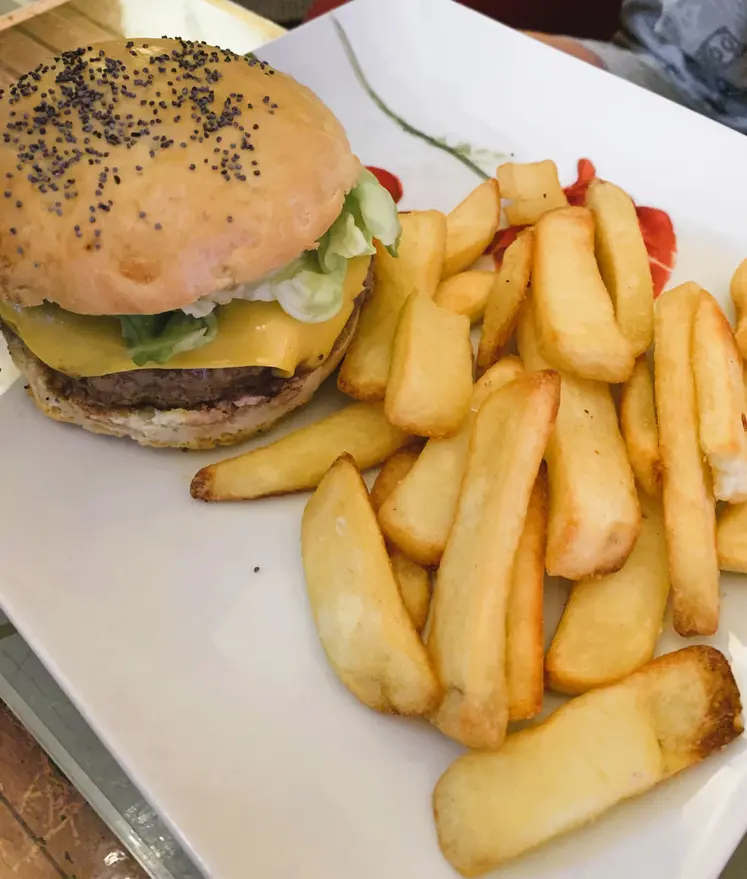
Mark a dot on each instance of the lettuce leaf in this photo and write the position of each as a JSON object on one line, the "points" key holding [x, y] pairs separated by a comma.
{"points": [[156, 338], [378, 211], [309, 289], [303, 290]]}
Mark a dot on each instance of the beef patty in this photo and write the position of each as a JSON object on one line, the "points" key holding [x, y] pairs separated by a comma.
{"points": [[173, 388]]}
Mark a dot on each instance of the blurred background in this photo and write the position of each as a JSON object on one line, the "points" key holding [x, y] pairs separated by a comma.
{"points": [[596, 19]]}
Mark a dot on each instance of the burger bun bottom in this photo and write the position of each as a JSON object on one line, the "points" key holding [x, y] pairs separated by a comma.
{"points": [[203, 428]]}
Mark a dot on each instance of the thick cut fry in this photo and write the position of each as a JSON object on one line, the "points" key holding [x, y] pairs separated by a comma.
{"points": [[430, 380], [575, 318], [465, 293], [527, 211], [527, 179], [361, 619], [391, 474], [719, 390], [414, 583], [639, 428], [504, 303], [594, 752], [365, 369], [731, 537], [419, 513], [467, 639], [470, 227], [534, 189], [738, 291], [623, 262], [610, 625], [689, 506], [413, 579], [594, 513], [299, 460], [525, 644]]}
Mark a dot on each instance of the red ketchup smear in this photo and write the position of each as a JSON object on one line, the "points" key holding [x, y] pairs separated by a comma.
{"points": [[656, 228], [576, 192], [389, 181]]}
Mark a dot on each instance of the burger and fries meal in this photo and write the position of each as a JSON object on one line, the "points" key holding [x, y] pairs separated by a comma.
{"points": [[186, 276]]}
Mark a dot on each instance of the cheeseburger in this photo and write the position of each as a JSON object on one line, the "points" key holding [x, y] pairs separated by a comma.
{"points": [[185, 240]]}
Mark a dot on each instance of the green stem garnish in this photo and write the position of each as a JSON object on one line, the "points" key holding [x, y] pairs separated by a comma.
{"points": [[403, 124]]}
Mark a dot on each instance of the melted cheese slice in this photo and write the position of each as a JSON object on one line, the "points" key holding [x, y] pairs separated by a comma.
{"points": [[249, 334]]}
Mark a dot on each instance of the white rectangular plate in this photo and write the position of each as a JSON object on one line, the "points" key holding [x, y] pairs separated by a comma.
{"points": [[207, 679]]}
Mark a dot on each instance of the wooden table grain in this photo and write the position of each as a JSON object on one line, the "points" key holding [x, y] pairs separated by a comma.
{"points": [[46, 27], [47, 830]]}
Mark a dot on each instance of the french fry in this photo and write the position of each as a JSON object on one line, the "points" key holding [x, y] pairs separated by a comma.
{"points": [[738, 290], [525, 645], [504, 302], [689, 506], [639, 428], [575, 318], [365, 369], [465, 293], [594, 514], [298, 461], [527, 179], [391, 474], [430, 380], [595, 751], [719, 390], [413, 579], [470, 227], [731, 538], [611, 624], [534, 189], [419, 513], [414, 583], [623, 262], [362, 623], [467, 638]]}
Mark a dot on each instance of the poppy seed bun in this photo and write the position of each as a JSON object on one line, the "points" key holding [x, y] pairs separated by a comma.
{"points": [[137, 177]]}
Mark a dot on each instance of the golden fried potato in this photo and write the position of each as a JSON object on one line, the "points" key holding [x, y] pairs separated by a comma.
{"points": [[731, 538], [505, 300], [611, 624], [594, 513], [738, 291], [623, 262], [391, 474], [299, 460], [639, 428], [365, 369], [430, 380], [575, 317], [470, 227], [465, 293], [419, 513], [719, 390], [413, 579], [361, 619], [414, 583], [533, 188], [689, 505], [467, 637], [595, 751], [518, 180], [525, 639]]}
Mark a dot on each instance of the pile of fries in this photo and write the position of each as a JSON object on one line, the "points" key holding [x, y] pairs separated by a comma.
{"points": [[569, 459]]}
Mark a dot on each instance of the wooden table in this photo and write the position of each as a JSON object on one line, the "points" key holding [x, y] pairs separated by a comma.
{"points": [[45, 27]]}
